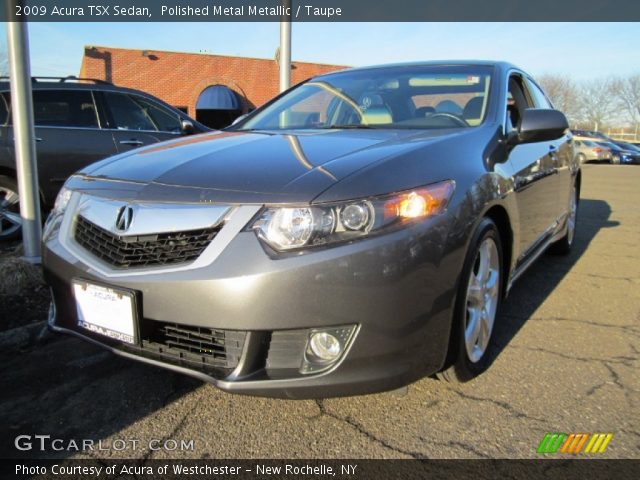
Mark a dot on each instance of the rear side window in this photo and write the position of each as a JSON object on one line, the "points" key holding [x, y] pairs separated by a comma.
{"points": [[539, 98], [64, 108], [163, 119], [127, 113]]}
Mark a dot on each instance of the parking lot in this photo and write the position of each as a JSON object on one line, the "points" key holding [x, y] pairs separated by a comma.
{"points": [[569, 343]]}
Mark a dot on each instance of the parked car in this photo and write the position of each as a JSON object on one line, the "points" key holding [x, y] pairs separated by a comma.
{"points": [[339, 240], [588, 150], [79, 121], [592, 135], [620, 155]]}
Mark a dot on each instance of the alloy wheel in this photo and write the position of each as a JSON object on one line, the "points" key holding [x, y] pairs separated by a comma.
{"points": [[10, 220], [482, 299]]}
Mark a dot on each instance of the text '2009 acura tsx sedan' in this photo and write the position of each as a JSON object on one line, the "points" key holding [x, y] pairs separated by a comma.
{"points": [[355, 234]]}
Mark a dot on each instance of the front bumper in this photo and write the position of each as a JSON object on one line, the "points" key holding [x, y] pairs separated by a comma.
{"points": [[398, 289]]}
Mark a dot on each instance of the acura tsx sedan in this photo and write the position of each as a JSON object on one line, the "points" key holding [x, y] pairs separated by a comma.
{"points": [[353, 235]]}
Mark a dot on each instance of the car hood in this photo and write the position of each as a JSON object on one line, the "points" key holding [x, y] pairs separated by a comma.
{"points": [[248, 167]]}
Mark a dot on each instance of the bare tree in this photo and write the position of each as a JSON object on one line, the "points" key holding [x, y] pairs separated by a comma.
{"points": [[563, 93], [627, 92], [596, 102]]}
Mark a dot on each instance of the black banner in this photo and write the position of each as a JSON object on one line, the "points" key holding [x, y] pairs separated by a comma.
{"points": [[321, 10], [105, 469]]}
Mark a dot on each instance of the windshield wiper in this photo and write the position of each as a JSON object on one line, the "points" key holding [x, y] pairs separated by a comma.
{"points": [[346, 126]]}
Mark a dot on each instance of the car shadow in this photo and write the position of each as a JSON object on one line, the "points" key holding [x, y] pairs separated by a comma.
{"points": [[541, 279], [72, 390]]}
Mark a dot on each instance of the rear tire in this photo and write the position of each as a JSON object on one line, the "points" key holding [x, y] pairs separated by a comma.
{"points": [[10, 220], [563, 246], [477, 305]]}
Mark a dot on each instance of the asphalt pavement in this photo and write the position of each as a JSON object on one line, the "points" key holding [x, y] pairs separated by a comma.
{"points": [[568, 361]]}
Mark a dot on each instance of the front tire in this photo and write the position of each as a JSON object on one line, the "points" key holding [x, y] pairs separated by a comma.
{"points": [[477, 304], [10, 220]]}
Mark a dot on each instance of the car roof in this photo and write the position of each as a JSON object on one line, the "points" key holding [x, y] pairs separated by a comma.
{"points": [[73, 85], [503, 66]]}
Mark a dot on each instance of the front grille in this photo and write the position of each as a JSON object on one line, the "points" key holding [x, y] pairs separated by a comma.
{"points": [[213, 351], [143, 250]]}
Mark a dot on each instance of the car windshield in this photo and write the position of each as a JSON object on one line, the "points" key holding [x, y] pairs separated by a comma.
{"points": [[628, 146], [414, 97]]}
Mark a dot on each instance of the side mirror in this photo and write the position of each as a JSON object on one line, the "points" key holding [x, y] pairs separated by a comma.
{"points": [[239, 119], [187, 127], [539, 125]]}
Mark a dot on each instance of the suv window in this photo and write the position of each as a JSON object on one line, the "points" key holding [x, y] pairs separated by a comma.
{"points": [[4, 110], [163, 119], [539, 98], [64, 108], [127, 114]]}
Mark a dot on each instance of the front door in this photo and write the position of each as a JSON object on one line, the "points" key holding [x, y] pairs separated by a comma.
{"points": [[533, 169]]}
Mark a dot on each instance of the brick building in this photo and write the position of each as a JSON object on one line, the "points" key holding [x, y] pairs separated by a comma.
{"points": [[181, 78]]}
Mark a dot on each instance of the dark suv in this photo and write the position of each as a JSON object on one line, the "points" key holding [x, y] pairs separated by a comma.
{"points": [[79, 121]]}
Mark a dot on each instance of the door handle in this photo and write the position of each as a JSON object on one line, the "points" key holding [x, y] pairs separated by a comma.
{"points": [[132, 142], [37, 139]]}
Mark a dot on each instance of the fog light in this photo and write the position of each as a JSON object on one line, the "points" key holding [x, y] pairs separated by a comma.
{"points": [[325, 346]]}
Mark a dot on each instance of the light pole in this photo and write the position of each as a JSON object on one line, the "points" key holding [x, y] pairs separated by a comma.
{"points": [[24, 136], [285, 47]]}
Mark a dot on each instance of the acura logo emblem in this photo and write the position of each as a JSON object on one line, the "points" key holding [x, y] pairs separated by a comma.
{"points": [[124, 218]]}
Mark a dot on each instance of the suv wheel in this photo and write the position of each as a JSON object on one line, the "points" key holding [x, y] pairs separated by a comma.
{"points": [[477, 304], [10, 220]]}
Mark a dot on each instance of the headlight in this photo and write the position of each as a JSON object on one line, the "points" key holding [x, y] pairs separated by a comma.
{"points": [[59, 206], [288, 228], [62, 200]]}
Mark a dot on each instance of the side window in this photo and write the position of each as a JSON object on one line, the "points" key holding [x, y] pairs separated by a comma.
{"points": [[64, 108], [126, 113], [517, 102], [4, 110], [163, 119], [539, 98]]}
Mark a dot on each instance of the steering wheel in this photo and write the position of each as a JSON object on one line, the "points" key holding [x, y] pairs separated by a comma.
{"points": [[451, 116]]}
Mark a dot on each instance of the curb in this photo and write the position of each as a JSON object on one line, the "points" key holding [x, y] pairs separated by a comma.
{"points": [[25, 336]]}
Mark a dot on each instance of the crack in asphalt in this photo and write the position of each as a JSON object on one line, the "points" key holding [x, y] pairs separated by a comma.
{"points": [[504, 405], [615, 378], [628, 328], [455, 443], [626, 361], [607, 277], [363, 431]]}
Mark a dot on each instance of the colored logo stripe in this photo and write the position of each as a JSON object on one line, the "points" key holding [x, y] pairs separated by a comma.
{"points": [[554, 442], [551, 442], [574, 443], [598, 442]]}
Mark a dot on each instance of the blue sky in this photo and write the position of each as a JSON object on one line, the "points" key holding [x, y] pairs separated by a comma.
{"points": [[582, 50]]}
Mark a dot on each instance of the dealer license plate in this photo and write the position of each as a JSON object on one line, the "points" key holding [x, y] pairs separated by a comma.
{"points": [[105, 311]]}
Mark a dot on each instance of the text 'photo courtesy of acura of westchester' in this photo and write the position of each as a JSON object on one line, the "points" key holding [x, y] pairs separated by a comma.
{"points": [[353, 235]]}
